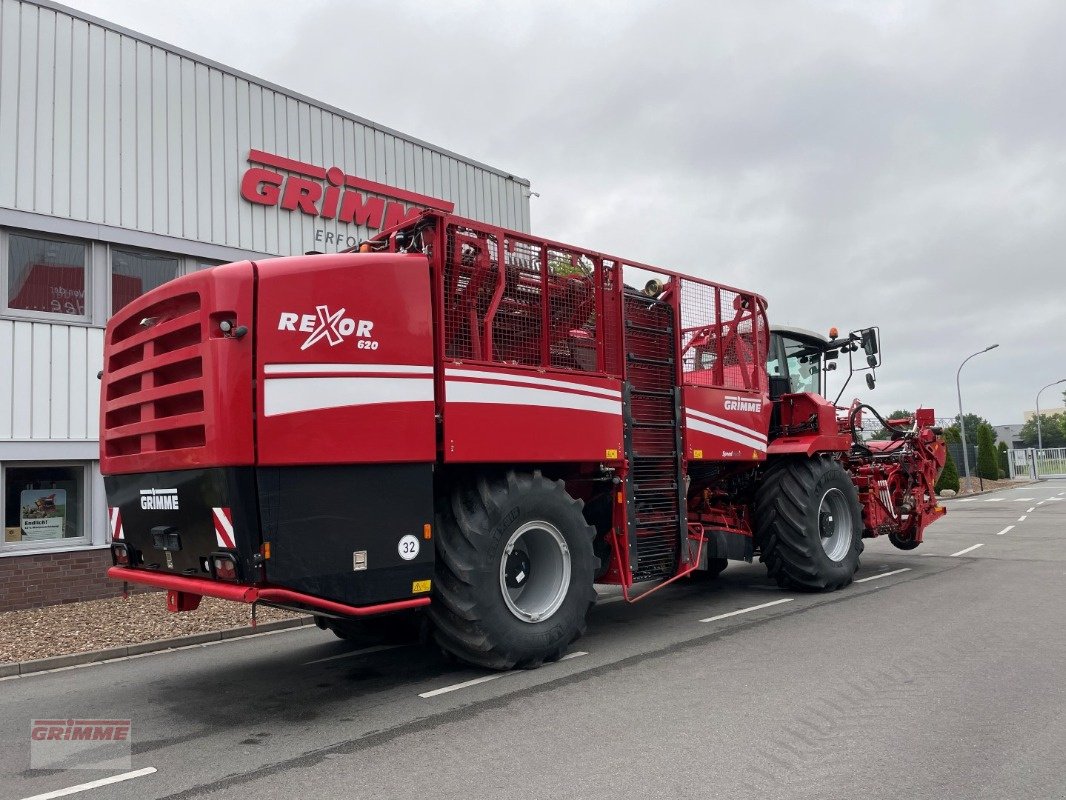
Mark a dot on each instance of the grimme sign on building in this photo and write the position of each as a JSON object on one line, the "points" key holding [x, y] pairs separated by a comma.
{"points": [[331, 194]]}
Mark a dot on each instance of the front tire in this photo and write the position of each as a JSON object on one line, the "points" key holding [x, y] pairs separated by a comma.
{"points": [[515, 571], [808, 522], [902, 544]]}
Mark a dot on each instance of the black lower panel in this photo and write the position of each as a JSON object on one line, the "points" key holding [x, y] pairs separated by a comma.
{"points": [[723, 544], [183, 503], [318, 518]]}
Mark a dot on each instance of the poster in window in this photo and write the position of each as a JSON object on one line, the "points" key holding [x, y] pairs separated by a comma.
{"points": [[44, 513]]}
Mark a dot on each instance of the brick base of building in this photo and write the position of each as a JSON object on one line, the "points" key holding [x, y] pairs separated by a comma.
{"points": [[47, 579]]}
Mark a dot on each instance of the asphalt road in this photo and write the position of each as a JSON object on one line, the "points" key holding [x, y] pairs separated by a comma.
{"points": [[941, 675]]}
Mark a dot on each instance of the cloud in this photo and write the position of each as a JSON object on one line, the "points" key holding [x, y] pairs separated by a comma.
{"points": [[900, 164]]}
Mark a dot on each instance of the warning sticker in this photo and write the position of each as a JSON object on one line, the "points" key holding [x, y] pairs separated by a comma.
{"points": [[418, 587]]}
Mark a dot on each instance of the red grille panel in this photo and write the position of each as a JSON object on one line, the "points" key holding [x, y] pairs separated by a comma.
{"points": [[138, 398]]}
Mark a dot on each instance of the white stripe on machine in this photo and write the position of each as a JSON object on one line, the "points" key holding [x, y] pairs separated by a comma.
{"points": [[346, 369], [726, 423], [498, 394], [292, 395], [725, 433], [495, 377]]}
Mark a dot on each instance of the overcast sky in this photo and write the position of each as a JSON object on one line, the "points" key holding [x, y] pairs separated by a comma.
{"points": [[901, 164]]}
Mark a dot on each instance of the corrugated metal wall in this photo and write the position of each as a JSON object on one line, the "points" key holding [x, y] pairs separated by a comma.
{"points": [[100, 126], [49, 390]]}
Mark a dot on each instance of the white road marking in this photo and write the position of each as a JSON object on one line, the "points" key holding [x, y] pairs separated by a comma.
{"points": [[1008, 529], [967, 500], [967, 550], [1031, 510], [995, 499], [378, 648], [883, 575], [750, 608], [1021, 518], [1040, 503], [575, 654], [84, 787], [1023, 499], [457, 686], [486, 678]]}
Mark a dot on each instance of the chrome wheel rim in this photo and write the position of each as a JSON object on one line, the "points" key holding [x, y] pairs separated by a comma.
{"points": [[834, 524], [535, 571]]}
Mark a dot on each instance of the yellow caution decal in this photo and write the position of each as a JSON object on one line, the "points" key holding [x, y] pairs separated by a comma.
{"points": [[697, 454], [611, 455], [420, 587]]}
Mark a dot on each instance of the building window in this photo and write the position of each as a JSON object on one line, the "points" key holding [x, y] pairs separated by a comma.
{"points": [[44, 505], [135, 272], [46, 275]]}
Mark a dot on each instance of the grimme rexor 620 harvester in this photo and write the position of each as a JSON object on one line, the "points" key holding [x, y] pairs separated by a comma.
{"points": [[484, 423]]}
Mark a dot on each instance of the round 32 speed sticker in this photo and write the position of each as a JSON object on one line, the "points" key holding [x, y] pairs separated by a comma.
{"points": [[408, 547]]}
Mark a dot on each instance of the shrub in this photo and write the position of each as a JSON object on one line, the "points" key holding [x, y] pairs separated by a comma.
{"points": [[987, 456], [949, 476]]}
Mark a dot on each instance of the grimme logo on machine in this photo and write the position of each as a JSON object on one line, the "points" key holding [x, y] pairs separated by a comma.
{"points": [[159, 499], [733, 403], [333, 326], [330, 193]]}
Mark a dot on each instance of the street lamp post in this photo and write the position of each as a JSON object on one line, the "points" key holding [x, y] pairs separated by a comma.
{"points": [[962, 418], [1039, 437]]}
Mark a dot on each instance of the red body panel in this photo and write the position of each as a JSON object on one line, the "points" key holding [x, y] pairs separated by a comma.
{"points": [[725, 424], [811, 426], [345, 360], [500, 414], [163, 405]]}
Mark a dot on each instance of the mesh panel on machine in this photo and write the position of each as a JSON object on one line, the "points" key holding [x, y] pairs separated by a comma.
{"points": [[699, 332], [724, 337], [572, 310], [538, 310], [519, 320], [470, 278]]}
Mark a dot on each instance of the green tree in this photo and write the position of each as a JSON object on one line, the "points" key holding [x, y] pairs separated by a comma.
{"points": [[884, 433], [1004, 467], [949, 476], [987, 458], [973, 423], [1052, 431]]}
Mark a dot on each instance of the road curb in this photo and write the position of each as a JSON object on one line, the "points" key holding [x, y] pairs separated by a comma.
{"points": [[158, 645], [958, 497]]}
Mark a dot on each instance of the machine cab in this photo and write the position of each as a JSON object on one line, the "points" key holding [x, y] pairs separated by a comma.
{"points": [[796, 361], [800, 360]]}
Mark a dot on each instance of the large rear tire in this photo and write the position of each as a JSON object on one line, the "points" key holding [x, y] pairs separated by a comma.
{"points": [[808, 523], [515, 570]]}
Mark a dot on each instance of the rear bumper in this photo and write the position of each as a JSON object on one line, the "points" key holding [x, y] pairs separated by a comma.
{"points": [[241, 593]]}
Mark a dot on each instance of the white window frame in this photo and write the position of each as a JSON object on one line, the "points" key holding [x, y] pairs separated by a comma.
{"points": [[45, 316], [53, 545]]}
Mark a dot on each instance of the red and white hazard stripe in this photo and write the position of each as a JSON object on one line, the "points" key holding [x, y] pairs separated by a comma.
{"points": [[223, 519], [114, 516]]}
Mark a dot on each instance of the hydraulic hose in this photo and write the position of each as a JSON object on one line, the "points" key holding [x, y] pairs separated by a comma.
{"points": [[854, 432]]}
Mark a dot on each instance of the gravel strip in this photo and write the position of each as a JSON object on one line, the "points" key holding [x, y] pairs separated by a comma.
{"points": [[975, 485], [99, 624]]}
